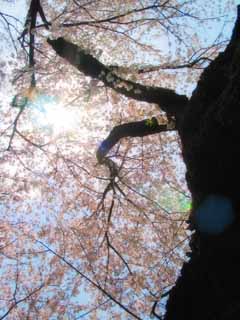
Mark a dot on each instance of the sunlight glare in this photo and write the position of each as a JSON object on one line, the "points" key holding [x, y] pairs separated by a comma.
{"points": [[49, 113]]}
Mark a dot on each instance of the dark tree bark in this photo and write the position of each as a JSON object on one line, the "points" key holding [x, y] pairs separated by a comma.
{"points": [[131, 129], [169, 101], [208, 287], [208, 124]]}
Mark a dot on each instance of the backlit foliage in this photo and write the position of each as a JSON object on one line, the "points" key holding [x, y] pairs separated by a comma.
{"points": [[76, 241]]}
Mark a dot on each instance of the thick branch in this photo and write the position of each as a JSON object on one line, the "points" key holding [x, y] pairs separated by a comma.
{"points": [[169, 101], [131, 129]]}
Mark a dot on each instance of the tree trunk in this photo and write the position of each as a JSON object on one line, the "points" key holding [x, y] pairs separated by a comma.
{"points": [[209, 284]]}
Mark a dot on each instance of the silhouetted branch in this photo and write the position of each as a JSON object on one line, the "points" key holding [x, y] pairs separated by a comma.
{"points": [[93, 283], [93, 309], [109, 244], [15, 127], [39, 146], [113, 19], [14, 305], [153, 312], [167, 99], [131, 129]]}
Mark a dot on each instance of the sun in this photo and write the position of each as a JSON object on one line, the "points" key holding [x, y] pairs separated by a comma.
{"points": [[51, 114], [59, 118]]}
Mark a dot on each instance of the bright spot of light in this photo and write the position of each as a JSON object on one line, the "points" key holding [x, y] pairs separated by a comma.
{"points": [[57, 118], [50, 114], [34, 193]]}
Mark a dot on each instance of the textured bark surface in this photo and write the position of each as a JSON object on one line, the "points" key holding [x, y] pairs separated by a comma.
{"points": [[208, 287]]}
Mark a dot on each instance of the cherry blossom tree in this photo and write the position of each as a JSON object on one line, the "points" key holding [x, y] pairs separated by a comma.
{"points": [[95, 209]]}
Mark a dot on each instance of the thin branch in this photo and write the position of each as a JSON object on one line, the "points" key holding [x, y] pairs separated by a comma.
{"points": [[153, 312], [93, 309], [94, 284], [39, 146], [15, 127], [117, 253], [111, 19], [9, 26], [14, 305]]}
